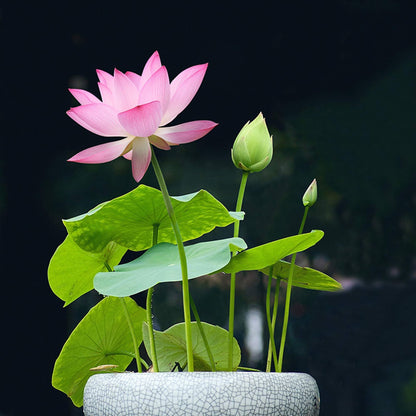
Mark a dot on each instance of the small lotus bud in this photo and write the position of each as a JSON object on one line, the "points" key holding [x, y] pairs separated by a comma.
{"points": [[311, 194], [253, 148]]}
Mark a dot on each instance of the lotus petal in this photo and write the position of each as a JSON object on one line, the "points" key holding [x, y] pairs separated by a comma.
{"points": [[99, 118], [152, 65], [143, 120], [105, 78], [183, 89], [128, 155], [125, 94], [106, 94], [156, 89], [142, 154], [83, 97], [103, 152], [186, 132], [135, 78]]}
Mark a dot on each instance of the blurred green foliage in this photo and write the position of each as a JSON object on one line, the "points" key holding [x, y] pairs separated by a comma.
{"points": [[408, 396], [362, 149]]}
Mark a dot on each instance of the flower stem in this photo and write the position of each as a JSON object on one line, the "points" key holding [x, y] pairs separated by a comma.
{"points": [[153, 356], [288, 294], [126, 312], [182, 258], [274, 317], [136, 349], [271, 322], [204, 337], [239, 204], [149, 313]]}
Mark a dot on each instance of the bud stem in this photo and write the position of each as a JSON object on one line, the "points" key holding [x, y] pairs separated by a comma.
{"points": [[133, 337], [271, 321], [288, 294], [129, 323], [239, 205]]}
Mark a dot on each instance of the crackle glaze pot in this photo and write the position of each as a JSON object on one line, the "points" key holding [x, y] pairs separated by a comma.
{"points": [[201, 394]]}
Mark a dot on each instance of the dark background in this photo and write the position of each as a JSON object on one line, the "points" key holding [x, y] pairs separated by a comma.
{"points": [[336, 81]]}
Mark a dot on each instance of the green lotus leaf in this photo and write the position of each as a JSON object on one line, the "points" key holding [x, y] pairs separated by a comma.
{"points": [[268, 254], [161, 263], [130, 219], [304, 277], [171, 347], [101, 338], [71, 270]]}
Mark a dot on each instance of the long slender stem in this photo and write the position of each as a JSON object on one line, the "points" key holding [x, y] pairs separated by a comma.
{"points": [[133, 337], [272, 349], [135, 346], [232, 278], [269, 321], [182, 258], [149, 313], [149, 319], [274, 317], [204, 337], [288, 294]]}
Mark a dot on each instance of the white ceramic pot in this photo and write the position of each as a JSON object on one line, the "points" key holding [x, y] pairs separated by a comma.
{"points": [[201, 394]]}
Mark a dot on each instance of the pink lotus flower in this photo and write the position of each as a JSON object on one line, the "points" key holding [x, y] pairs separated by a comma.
{"points": [[137, 107]]}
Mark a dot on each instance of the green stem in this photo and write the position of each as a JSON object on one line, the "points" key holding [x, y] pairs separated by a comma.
{"points": [[204, 337], [182, 258], [135, 346], [232, 278], [274, 317], [126, 312], [272, 348], [149, 313], [149, 319], [288, 294], [269, 321]]}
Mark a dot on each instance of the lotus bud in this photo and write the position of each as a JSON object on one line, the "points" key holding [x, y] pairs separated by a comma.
{"points": [[253, 148], [311, 194]]}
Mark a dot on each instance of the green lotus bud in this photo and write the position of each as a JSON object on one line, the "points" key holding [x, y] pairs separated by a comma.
{"points": [[311, 194], [253, 147]]}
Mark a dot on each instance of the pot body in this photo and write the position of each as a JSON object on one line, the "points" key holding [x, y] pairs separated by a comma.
{"points": [[201, 394]]}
